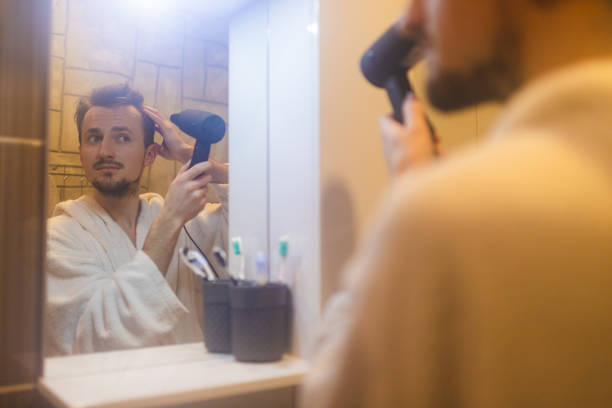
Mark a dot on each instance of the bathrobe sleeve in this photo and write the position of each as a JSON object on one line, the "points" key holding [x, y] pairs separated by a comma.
{"points": [[92, 306]]}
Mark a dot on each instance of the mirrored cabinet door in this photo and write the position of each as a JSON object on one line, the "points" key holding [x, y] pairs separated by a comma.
{"points": [[23, 87]]}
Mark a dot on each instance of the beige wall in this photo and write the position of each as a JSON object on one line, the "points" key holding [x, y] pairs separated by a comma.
{"points": [[353, 172], [178, 63]]}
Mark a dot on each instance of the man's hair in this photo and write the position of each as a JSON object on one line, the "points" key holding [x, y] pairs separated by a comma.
{"points": [[115, 95]]}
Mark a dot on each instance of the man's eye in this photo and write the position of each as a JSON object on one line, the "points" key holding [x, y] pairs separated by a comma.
{"points": [[123, 138], [94, 138]]}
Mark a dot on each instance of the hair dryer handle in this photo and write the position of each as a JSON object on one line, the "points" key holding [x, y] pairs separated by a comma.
{"points": [[398, 87], [201, 151]]}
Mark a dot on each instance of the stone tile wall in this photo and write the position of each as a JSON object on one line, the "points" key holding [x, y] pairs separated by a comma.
{"points": [[180, 64]]}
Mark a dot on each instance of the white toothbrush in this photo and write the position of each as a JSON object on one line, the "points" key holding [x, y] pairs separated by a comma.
{"points": [[197, 263], [238, 251]]}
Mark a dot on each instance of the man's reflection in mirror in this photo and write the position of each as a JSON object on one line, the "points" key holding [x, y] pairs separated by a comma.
{"points": [[114, 279]]}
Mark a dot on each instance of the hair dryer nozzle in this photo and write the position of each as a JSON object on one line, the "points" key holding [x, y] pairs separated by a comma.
{"points": [[206, 128], [200, 125], [392, 54]]}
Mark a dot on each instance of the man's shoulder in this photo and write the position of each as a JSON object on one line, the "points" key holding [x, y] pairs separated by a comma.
{"points": [[501, 177], [65, 215], [64, 230], [61, 222]]}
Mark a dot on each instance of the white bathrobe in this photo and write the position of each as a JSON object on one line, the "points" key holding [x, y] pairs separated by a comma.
{"points": [[486, 280], [103, 293]]}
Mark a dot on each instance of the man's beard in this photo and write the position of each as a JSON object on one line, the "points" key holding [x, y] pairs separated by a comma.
{"points": [[119, 189], [492, 80]]}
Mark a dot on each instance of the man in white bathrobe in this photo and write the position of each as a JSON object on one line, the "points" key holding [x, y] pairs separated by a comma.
{"points": [[114, 278], [486, 279]]}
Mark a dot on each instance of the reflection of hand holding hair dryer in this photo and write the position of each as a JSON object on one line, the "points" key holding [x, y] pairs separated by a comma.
{"points": [[386, 63], [206, 128]]}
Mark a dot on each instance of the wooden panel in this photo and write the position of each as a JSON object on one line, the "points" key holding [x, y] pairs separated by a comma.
{"points": [[20, 399], [24, 42], [23, 399], [21, 238], [24, 58]]}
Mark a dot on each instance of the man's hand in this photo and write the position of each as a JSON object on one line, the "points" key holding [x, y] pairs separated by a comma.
{"points": [[173, 147], [409, 145], [186, 197]]}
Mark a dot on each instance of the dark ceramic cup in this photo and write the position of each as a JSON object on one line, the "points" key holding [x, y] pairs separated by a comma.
{"points": [[260, 320], [217, 316]]}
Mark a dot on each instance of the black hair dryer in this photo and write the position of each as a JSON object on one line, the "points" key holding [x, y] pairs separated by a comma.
{"points": [[206, 128], [386, 63]]}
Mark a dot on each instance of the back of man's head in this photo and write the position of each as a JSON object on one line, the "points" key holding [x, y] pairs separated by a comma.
{"points": [[485, 50], [111, 96]]}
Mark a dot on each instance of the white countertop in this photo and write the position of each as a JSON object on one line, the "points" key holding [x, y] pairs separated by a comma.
{"points": [[160, 376]]}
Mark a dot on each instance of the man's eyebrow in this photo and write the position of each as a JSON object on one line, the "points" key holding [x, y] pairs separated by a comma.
{"points": [[93, 130], [121, 129]]}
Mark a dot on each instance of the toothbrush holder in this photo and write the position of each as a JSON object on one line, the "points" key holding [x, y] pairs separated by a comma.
{"points": [[260, 320], [217, 317]]}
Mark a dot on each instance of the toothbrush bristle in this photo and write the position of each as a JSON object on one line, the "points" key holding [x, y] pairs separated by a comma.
{"points": [[236, 246], [283, 246]]}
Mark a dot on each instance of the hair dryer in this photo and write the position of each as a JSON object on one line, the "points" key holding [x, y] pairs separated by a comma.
{"points": [[386, 63], [206, 128]]}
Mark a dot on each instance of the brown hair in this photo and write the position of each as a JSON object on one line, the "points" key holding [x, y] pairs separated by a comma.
{"points": [[115, 95]]}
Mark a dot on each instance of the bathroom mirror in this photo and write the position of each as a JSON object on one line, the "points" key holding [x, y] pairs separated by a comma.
{"points": [[176, 54]]}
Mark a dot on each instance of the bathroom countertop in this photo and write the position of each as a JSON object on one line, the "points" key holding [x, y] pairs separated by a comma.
{"points": [[160, 376]]}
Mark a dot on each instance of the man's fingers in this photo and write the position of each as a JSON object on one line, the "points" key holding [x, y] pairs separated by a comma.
{"points": [[199, 192], [152, 114], [414, 113], [203, 181], [389, 128], [155, 116], [196, 170], [151, 110]]}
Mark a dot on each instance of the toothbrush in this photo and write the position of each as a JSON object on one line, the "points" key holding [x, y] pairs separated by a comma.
{"points": [[262, 268], [283, 250], [221, 257], [202, 260], [237, 247], [196, 263]]}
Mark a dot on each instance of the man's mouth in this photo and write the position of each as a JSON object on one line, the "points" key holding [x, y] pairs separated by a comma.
{"points": [[108, 166]]}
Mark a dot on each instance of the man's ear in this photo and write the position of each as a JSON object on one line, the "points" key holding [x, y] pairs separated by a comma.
{"points": [[151, 154]]}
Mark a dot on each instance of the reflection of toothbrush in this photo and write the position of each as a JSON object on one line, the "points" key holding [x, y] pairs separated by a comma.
{"points": [[283, 250], [262, 269], [197, 263], [221, 257], [238, 251]]}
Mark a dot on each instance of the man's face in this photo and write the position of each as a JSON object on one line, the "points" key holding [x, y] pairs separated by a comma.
{"points": [[471, 49], [112, 149]]}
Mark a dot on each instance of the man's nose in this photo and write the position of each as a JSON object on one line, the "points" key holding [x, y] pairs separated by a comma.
{"points": [[106, 148]]}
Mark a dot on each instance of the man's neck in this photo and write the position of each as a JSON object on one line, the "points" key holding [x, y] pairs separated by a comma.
{"points": [[566, 34], [123, 210]]}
